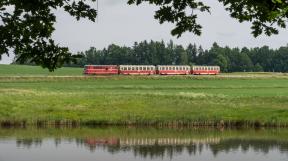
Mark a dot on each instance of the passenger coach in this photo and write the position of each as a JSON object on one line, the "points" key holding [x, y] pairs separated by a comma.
{"points": [[137, 69], [173, 70], [205, 70]]}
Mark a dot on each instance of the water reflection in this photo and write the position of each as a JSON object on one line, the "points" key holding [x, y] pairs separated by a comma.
{"points": [[153, 143]]}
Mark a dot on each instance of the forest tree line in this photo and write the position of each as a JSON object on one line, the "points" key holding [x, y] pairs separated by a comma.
{"points": [[229, 59], [257, 59]]}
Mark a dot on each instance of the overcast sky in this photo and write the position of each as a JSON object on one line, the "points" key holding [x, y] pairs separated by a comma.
{"points": [[122, 24]]}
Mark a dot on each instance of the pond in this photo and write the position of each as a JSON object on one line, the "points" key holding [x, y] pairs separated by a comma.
{"points": [[135, 144]]}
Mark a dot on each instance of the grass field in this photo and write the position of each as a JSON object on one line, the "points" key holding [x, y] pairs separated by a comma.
{"points": [[25, 70], [242, 99]]}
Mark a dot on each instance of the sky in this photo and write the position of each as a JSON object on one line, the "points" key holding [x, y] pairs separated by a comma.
{"points": [[122, 24]]}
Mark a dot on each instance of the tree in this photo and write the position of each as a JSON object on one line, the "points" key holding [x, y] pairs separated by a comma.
{"points": [[26, 26], [192, 53], [222, 62], [264, 14], [258, 68]]}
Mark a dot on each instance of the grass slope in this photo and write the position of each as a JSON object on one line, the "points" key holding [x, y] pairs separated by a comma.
{"points": [[25, 70], [157, 100]]}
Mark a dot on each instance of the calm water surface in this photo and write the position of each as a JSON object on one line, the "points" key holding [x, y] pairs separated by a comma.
{"points": [[139, 144]]}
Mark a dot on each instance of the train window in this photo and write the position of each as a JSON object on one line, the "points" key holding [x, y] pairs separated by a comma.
{"points": [[144, 68], [140, 68]]}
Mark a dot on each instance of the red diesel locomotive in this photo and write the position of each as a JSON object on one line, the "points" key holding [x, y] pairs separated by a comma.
{"points": [[101, 69], [150, 70]]}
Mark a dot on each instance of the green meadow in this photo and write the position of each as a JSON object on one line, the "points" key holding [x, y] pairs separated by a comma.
{"points": [[33, 96], [25, 70]]}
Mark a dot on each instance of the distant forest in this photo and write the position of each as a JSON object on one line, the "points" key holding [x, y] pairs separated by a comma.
{"points": [[229, 59]]}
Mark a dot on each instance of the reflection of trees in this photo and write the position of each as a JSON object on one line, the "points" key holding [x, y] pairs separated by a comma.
{"points": [[28, 143], [263, 146], [150, 149], [192, 148]]}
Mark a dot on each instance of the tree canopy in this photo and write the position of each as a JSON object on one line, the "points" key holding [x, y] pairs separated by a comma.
{"points": [[26, 26]]}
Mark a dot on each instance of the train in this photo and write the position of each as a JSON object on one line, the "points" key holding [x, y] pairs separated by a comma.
{"points": [[150, 70]]}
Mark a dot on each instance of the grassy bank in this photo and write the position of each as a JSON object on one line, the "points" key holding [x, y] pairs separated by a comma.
{"points": [[163, 101], [25, 70]]}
